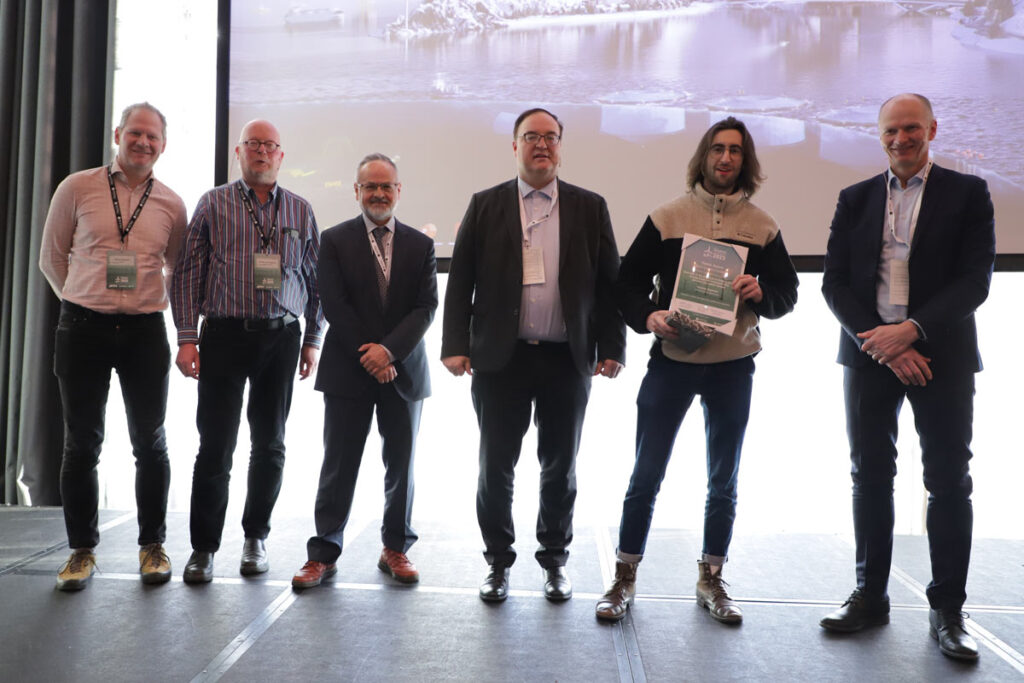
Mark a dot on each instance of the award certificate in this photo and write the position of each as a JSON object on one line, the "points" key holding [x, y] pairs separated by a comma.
{"points": [[703, 301]]}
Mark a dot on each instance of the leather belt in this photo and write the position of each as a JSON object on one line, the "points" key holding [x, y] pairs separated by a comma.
{"points": [[253, 324]]}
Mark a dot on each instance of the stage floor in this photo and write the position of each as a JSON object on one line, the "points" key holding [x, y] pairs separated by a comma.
{"points": [[362, 626]]}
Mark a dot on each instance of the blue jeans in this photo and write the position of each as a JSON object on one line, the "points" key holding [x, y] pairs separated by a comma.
{"points": [[88, 345], [665, 395]]}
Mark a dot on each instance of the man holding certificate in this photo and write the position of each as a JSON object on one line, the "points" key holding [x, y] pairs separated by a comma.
{"points": [[729, 266]]}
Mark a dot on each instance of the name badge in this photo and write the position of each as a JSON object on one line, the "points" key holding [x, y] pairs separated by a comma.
{"points": [[121, 270], [266, 271], [533, 265], [899, 282]]}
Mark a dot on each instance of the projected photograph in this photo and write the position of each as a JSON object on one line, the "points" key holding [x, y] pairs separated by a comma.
{"points": [[437, 85]]}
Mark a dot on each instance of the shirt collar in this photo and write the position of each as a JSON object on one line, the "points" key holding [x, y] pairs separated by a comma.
{"points": [[729, 200], [915, 179], [116, 170], [370, 225], [249, 191], [548, 190]]}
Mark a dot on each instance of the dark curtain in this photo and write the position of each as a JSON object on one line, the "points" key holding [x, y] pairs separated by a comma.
{"points": [[55, 72]]}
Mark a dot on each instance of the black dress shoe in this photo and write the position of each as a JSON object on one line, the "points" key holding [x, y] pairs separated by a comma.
{"points": [[199, 568], [947, 627], [859, 611], [254, 557], [495, 586], [557, 586]]}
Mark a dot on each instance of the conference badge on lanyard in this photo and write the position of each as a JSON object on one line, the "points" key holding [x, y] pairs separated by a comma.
{"points": [[266, 271], [122, 272]]}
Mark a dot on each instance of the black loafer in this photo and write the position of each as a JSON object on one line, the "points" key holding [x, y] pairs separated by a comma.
{"points": [[557, 586], [495, 586], [254, 557], [947, 627], [199, 568], [858, 612]]}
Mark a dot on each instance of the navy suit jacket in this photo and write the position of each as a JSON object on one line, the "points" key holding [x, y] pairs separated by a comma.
{"points": [[485, 281], [351, 303], [951, 260]]}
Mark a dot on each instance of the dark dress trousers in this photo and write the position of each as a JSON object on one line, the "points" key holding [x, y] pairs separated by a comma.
{"points": [[951, 260], [512, 378], [352, 305]]}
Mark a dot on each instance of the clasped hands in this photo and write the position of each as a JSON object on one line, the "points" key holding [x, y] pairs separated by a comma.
{"points": [[377, 363], [890, 345]]}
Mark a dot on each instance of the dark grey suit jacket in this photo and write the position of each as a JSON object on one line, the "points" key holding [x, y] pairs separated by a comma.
{"points": [[352, 306], [481, 306], [951, 260]]}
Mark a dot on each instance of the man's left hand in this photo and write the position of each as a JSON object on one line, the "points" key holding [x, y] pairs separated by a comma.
{"points": [[747, 288], [308, 360], [885, 342], [608, 368]]}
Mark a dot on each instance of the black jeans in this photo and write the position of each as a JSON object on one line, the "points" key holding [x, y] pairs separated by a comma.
{"points": [[88, 345], [231, 355]]}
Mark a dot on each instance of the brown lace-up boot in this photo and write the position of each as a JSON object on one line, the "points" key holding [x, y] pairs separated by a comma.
{"points": [[711, 594], [614, 603]]}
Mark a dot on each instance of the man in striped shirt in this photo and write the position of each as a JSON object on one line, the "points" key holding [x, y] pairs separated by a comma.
{"points": [[249, 268]]}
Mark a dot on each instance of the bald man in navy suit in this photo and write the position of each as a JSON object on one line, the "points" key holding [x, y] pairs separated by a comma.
{"points": [[909, 259]]}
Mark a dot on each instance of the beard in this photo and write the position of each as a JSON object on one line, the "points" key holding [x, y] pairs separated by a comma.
{"points": [[379, 212]]}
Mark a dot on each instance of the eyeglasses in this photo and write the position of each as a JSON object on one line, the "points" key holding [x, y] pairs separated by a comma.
{"points": [[719, 150], [551, 139], [268, 145], [371, 188]]}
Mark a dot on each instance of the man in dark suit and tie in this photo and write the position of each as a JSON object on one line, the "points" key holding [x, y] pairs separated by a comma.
{"points": [[378, 287], [909, 259], [529, 313]]}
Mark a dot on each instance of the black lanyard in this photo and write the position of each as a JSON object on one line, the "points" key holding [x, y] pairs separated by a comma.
{"points": [[265, 237], [117, 205]]}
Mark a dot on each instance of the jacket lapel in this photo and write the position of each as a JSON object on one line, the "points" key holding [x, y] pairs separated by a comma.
{"points": [[566, 214], [929, 201]]}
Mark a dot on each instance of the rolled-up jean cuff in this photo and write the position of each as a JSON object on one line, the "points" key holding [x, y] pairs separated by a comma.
{"points": [[628, 558], [715, 560]]}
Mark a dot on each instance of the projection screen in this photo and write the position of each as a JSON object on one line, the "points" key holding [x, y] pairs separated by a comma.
{"points": [[437, 85]]}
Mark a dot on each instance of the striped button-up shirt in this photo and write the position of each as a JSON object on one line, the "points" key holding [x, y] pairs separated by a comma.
{"points": [[215, 275]]}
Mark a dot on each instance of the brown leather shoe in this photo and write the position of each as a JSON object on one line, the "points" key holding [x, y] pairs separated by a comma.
{"points": [[398, 566], [711, 594], [313, 573], [614, 603]]}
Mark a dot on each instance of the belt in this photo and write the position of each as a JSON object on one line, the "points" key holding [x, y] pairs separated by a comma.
{"points": [[252, 324], [88, 313], [541, 342]]}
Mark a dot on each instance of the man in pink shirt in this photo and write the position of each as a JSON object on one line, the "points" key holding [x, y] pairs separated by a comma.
{"points": [[109, 246]]}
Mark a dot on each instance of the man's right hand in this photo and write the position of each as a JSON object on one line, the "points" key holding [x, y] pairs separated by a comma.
{"points": [[188, 360], [910, 367], [458, 365], [657, 323]]}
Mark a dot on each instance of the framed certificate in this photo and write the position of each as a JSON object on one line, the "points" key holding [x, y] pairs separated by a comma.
{"points": [[703, 301]]}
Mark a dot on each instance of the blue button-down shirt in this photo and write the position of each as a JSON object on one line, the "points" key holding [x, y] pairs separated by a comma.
{"points": [[540, 310], [896, 247], [214, 277]]}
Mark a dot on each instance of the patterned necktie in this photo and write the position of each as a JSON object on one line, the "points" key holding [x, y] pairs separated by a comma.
{"points": [[382, 282]]}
